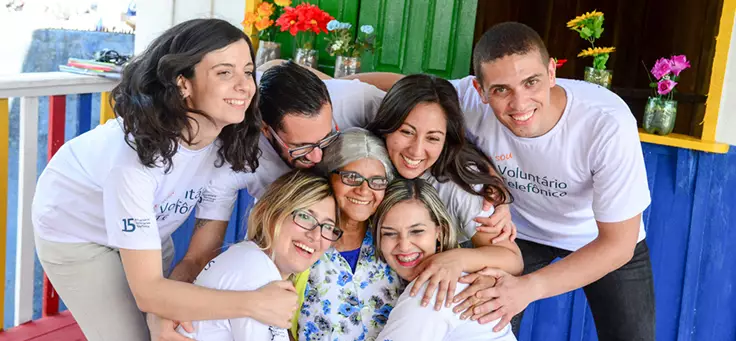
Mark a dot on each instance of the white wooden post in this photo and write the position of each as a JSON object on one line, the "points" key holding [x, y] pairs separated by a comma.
{"points": [[25, 247]]}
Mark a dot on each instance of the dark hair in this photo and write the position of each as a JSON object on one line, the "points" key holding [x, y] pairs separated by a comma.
{"points": [[153, 110], [459, 160], [505, 39], [289, 89]]}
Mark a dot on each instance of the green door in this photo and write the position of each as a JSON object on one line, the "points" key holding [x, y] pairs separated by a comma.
{"points": [[421, 36], [415, 36]]}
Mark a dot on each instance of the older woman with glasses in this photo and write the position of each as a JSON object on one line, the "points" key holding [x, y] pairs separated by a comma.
{"points": [[349, 293]]}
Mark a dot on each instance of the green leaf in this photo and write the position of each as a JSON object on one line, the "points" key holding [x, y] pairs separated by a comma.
{"points": [[653, 84], [586, 32], [599, 62]]}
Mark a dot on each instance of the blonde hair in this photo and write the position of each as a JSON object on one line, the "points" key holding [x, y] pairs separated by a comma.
{"points": [[297, 189], [420, 190]]}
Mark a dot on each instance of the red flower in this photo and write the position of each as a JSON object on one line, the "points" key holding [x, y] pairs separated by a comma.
{"points": [[560, 62], [288, 20], [302, 18]]}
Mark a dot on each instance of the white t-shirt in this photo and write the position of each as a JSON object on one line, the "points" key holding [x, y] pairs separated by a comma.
{"points": [[96, 190], [588, 168], [354, 104], [229, 271], [410, 321], [462, 206]]}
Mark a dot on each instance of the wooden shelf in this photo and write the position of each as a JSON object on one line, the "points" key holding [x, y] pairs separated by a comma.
{"points": [[684, 141]]}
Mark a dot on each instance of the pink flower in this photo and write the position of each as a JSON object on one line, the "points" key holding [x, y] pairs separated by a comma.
{"points": [[679, 63], [661, 68], [665, 86]]}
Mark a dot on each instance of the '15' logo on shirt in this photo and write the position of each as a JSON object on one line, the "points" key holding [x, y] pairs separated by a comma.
{"points": [[131, 224]]}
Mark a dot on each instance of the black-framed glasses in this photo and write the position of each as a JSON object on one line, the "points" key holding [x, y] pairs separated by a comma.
{"points": [[309, 222], [302, 151], [354, 179]]}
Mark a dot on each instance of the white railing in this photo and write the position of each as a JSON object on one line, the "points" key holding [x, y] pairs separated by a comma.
{"points": [[28, 87]]}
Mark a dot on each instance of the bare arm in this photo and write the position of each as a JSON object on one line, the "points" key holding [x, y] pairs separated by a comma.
{"points": [[613, 248], [504, 255], [181, 301], [381, 80], [205, 245], [271, 63], [443, 270]]}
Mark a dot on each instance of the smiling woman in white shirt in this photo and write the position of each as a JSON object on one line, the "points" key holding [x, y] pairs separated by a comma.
{"points": [[289, 228], [109, 200], [412, 224]]}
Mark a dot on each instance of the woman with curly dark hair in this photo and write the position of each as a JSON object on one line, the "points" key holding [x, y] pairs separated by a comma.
{"points": [[109, 200]]}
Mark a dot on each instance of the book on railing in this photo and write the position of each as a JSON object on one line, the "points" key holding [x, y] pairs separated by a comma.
{"points": [[91, 72], [93, 64]]}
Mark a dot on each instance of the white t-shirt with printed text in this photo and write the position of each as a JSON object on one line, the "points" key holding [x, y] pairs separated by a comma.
{"points": [[588, 168], [410, 321], [95, 189], [243, 267], [354, 104]]}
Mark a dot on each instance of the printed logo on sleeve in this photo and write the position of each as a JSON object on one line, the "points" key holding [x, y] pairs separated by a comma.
{"points": [[132, 224], [278, 333]]}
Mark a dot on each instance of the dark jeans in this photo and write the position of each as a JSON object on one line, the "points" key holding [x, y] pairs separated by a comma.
{"points": [[622, 302]]}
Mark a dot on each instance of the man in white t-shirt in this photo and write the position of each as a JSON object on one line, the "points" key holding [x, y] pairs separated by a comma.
{"points": [[569, 151]]}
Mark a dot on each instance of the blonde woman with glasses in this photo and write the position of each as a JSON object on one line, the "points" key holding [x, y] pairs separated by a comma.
{"points": [[289, 229]]}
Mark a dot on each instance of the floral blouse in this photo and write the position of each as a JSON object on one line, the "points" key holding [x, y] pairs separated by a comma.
{"points": [[340, 305]]}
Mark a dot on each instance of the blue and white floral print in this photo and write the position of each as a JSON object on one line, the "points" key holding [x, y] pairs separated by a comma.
{"points": [[340, 305]]}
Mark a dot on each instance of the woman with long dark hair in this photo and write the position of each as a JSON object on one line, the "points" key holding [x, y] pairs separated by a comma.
{"points": [[109, 200], [424, 129]]}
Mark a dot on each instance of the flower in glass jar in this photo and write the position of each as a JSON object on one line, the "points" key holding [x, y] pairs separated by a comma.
{"points": [[665, 86], [367, 29]]}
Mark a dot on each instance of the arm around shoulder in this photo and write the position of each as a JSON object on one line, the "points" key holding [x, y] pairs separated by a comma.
{"points": [[381, 80]]}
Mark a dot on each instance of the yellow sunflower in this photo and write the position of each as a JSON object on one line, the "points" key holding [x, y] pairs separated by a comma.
{"points": [[594, 51], [579, 19]]}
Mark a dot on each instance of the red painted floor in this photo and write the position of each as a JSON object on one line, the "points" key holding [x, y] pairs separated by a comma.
{"points": [[60, 327]]}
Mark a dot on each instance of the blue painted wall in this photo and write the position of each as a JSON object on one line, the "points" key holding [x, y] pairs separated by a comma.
{"points": [[693, 249]]}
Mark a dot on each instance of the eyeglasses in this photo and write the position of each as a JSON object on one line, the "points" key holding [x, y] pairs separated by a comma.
{"points": [[354, 179], [308, 222], [302, 151]]}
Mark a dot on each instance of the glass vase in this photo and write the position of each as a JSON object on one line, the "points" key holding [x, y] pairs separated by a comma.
{"points": [[267, 51], [600, 77], [345, 66], [659, 115], [305, 57]]}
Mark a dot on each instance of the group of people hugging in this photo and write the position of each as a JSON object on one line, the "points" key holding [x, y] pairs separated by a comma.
{"points": [[387, 207]]}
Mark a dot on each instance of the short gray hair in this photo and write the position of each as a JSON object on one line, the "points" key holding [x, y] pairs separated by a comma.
{"points": [[356, 144]]}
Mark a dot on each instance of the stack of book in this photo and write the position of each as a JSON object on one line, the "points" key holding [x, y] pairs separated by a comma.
{"points": [[92, 67]]}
